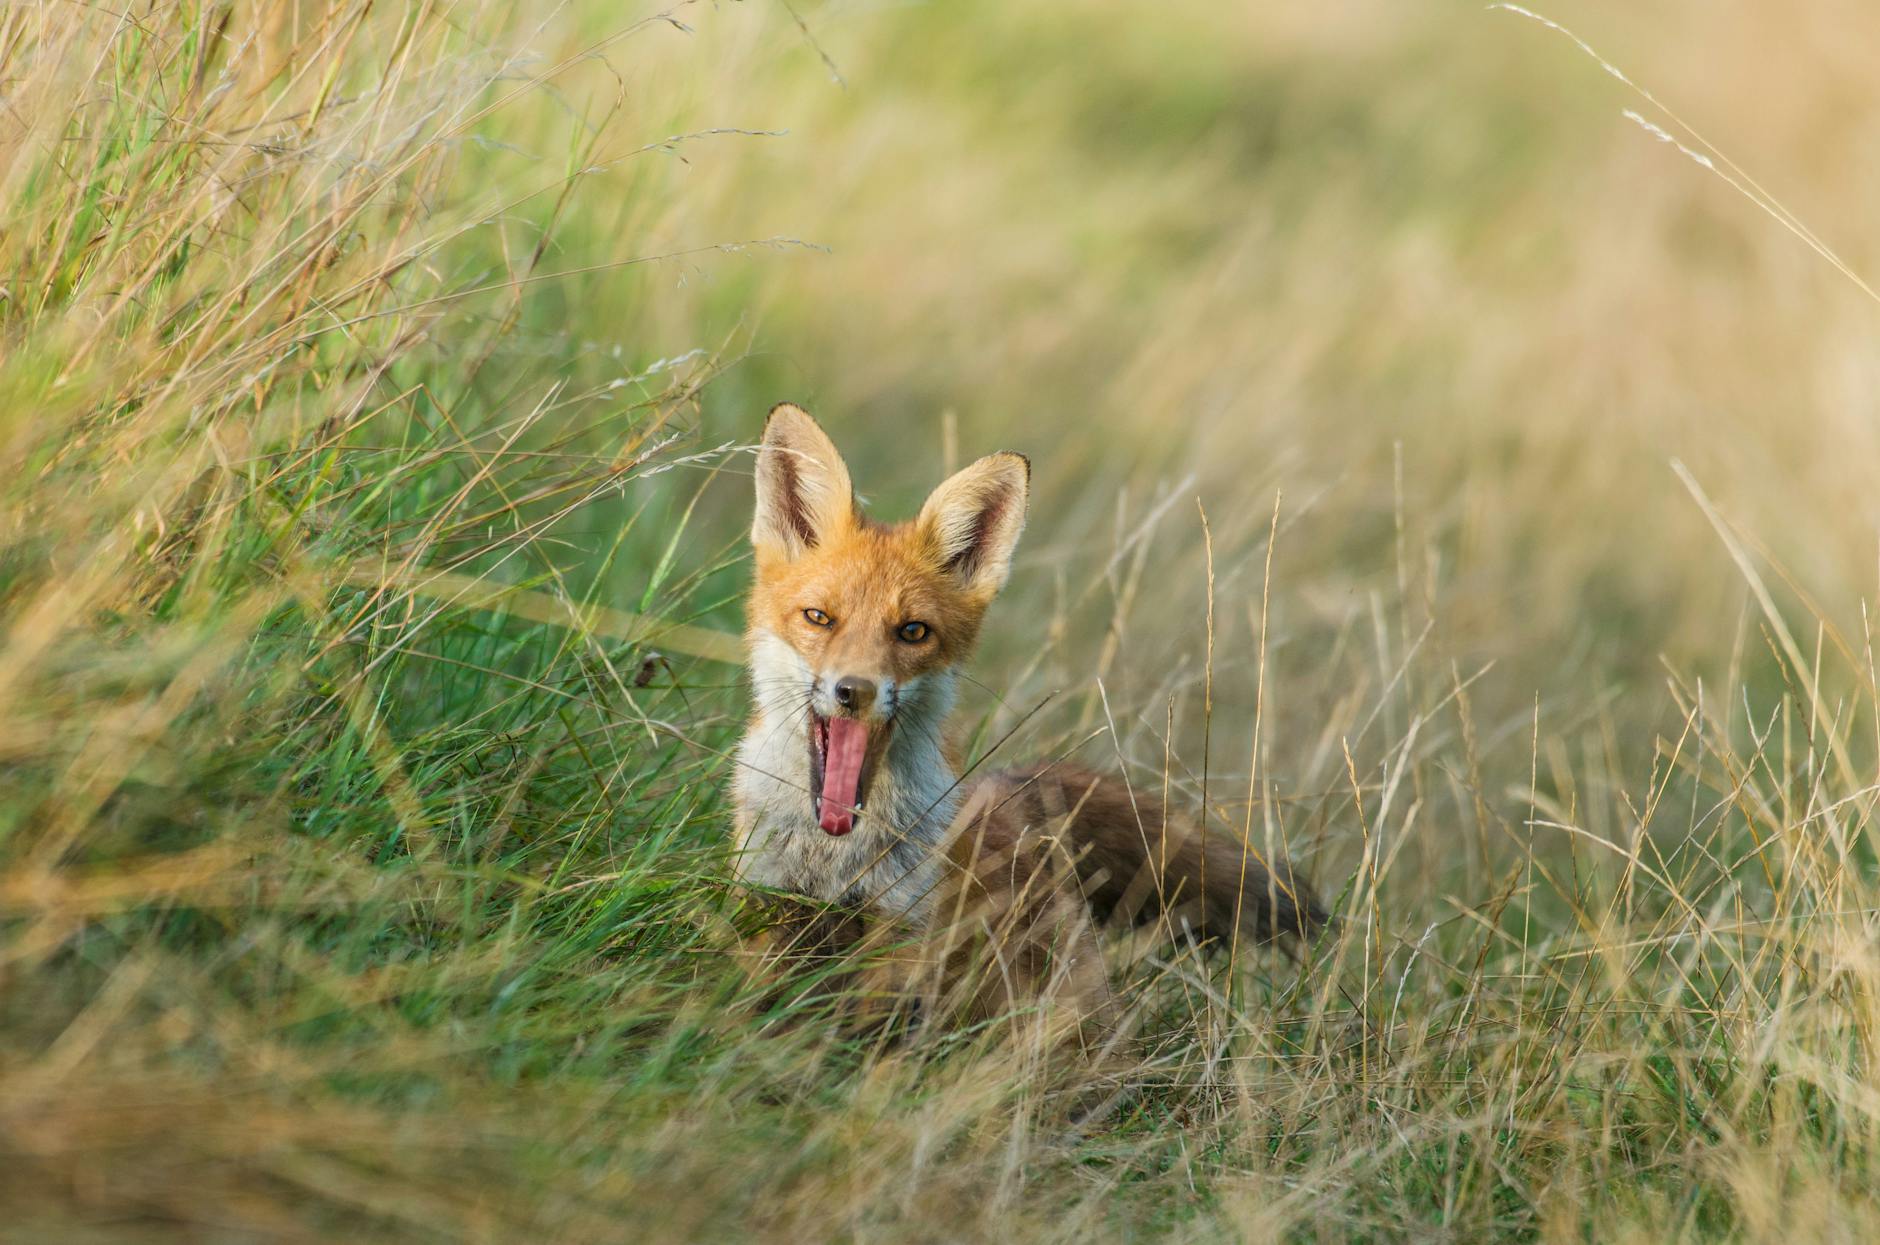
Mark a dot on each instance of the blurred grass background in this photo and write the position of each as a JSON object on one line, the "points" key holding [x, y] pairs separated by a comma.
{"points": [[374, 398]]}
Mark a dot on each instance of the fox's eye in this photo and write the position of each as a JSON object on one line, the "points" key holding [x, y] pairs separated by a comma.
{"points": [[913, 632], [817, 616]]}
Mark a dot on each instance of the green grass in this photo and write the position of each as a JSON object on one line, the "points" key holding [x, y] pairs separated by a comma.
{"points": [[376, 385]]}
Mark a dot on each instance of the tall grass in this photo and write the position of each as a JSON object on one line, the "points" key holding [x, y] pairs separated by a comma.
{"points": [[301, 836], [373, 390]]}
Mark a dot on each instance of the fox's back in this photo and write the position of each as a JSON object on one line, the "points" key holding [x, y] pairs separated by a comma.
{"points": [[1053, 825]]}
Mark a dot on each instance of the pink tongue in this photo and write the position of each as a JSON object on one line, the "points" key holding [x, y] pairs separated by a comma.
{"points": [[842, 775]]}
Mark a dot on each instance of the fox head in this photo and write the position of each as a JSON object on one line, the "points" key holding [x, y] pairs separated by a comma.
{"points": [[857, 627]]}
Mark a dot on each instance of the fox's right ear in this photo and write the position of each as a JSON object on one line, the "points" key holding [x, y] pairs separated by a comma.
{"points": [[803, 490]]}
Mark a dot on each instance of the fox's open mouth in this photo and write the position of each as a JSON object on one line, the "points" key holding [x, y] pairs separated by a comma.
{"points": [[843, 756]]}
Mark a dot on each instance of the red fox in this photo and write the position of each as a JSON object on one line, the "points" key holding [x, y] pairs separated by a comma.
{"points": [[848, 793]]}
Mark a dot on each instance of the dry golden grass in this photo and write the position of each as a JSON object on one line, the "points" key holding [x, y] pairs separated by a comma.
{"points": [[373, 383]]}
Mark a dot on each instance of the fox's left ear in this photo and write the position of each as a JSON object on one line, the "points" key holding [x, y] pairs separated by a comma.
{"points": [[803, 492], [974, 520]]}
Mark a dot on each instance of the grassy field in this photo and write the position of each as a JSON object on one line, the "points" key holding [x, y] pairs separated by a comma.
{"points": [[1434, 471]]}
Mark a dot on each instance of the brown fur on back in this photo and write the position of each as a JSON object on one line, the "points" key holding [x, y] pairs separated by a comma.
{"points": [[1135, 864]]}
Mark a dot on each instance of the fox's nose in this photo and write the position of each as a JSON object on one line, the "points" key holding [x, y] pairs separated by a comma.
{"points": [[857, 695]]}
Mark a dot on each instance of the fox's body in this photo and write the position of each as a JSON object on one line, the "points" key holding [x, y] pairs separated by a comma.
{"points": [[846, 792]]}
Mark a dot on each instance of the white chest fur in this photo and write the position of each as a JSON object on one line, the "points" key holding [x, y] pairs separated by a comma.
{"points": [[889, 863]]}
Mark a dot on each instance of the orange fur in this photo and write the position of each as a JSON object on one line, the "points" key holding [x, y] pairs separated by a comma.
{"points": [[872, 579]]}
